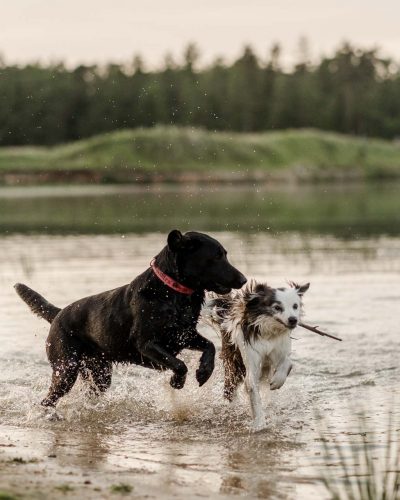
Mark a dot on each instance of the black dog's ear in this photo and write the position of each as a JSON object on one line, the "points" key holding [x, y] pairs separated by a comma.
{"points": [[301, 289], [175, 240]]}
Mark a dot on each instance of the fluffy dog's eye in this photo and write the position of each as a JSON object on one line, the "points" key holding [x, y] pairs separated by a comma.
{"points": [[278, 308], [295, 306]]}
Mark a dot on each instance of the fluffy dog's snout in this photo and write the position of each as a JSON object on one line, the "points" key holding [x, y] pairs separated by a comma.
{"points": [[292, 321]]}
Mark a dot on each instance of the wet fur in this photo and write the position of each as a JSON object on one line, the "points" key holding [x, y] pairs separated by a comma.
{"points": [[255, 344], [144, 323]]}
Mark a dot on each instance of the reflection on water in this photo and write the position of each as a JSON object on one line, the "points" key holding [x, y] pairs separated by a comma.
{"points": [[342, 210], [190, 442]]}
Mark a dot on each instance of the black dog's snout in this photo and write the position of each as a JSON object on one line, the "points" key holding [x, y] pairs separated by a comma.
{"points": [[292, 321], [242, 280], [236, 278]]}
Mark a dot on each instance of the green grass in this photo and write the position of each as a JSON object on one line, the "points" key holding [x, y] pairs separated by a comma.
{"points": [[170, 151], [7, 496], [122, 488], [367, 469], [64, 488]]}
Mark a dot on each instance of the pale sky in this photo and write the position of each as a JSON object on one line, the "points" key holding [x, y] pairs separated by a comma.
{"points": [[89, 31]]}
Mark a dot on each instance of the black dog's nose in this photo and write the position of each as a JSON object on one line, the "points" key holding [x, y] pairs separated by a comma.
{"points": [[242, 280], [292, 321]]}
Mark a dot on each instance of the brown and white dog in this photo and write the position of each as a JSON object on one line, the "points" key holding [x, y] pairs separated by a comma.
{"points": [[255, 325]]}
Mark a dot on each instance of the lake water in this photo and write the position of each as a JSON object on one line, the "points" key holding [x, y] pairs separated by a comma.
{"points": [[71, 242]]}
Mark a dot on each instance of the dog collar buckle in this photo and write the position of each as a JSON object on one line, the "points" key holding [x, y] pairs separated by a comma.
{"points": [[167, 280]]}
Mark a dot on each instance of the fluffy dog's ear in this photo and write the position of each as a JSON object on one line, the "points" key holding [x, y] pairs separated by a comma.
{"points": [[253, 301], [260, 288], [256, 296], [175, 240], [301, 289]]}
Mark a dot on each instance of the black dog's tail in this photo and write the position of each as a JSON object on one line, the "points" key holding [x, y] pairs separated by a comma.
{"points": [[37, 303]]}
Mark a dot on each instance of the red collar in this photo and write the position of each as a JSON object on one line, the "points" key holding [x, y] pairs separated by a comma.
{"points": [[167, 280]]}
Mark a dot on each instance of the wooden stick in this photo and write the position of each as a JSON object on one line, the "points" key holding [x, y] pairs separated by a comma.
{"points": [[315, 330]]}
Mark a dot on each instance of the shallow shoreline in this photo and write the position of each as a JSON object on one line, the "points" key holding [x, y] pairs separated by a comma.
{"points": [[61, 471], [142, 434], [23, 475]]}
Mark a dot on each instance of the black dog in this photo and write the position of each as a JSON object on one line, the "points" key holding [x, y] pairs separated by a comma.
{"points": [[147, 322]]}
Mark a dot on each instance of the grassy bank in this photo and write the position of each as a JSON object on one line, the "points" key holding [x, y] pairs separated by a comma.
{"points": [[168, 154]]}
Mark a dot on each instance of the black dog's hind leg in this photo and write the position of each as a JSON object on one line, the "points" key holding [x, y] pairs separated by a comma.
{"points": [[97, 372], [150, 349], [63, 378], [64, 352], [198, 343]]}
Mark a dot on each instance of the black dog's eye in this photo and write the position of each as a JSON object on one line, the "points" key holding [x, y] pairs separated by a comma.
{"points": [[219, 255], [295, 306], [278, 308]]}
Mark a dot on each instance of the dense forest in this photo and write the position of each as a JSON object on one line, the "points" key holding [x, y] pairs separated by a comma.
{"points": [[355, 91]]}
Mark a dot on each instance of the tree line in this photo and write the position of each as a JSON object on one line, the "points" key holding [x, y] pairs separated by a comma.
{"points": [[354, 91]]}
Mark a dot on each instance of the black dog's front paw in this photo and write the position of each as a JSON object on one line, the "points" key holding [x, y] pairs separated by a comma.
{"points": [[177, 381], [203, 374]]}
